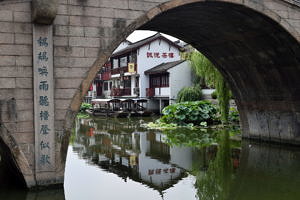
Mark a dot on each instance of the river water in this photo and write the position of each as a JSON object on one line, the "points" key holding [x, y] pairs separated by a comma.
{"points": [[117, 159]]}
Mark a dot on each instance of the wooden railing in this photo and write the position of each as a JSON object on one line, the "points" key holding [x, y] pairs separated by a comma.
{"points": [[119, 70], [150, 92], [105, 76], [121, 92]]}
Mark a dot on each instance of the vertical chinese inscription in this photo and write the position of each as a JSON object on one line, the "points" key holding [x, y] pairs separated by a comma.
{"points": [[43, 98]]}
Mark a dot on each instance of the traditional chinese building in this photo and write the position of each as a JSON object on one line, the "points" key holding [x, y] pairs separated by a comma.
{"points": [[123, 76], [165, 81]]}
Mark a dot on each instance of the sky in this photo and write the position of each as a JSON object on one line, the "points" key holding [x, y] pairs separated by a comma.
{"points": [[140, 34]]}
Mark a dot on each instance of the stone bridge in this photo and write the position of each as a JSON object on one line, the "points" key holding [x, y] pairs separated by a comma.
{"points": [[254, 43]]}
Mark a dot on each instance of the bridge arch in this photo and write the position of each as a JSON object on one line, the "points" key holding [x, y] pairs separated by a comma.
{"points": [[254, 44], [256, 50]]}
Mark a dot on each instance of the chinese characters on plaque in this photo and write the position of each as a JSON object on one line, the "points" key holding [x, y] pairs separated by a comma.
{"points": [[43, 95], [160, 55]]}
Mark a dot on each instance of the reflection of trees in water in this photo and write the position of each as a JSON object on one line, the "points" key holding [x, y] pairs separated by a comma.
{"points": [[117, 125], [191, 137], [215, 183], [214, 161]]}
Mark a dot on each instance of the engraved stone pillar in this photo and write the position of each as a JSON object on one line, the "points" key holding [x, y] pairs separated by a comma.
{"points": [[44, 12]]}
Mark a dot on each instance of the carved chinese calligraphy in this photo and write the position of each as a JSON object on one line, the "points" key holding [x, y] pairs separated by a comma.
{"points": [[43, 98]]}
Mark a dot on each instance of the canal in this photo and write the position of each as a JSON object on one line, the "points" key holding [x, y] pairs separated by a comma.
{"points": [[119, 159]]}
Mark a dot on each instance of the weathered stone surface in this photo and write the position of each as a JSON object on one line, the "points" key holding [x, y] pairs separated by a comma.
{"points": [[44, 11]]}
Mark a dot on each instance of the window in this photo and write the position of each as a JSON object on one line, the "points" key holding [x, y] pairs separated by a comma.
{"points": [[115, 63], [161, 80], [137, 82], [105, 86], [154, 81], [133, 57], [127, 83], [123, 61], [165, 80]]}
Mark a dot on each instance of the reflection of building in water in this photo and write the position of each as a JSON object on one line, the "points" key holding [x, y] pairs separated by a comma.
{"points": [[131, 152], [154, 165], [134, 154]]}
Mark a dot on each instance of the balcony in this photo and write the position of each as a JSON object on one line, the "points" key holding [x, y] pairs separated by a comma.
{"points": [[158, 92], [105, 76], [121, 92], [150, 92], [120, 70]]}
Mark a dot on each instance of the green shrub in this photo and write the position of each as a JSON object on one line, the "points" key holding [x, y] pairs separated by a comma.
{"points": [[85, 106], [201, 113], [214, 95], [82, 115], [234, 115], [192, 93]]}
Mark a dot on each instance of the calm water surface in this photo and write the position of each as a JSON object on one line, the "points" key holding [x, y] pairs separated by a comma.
{"points": [[114, 159]]}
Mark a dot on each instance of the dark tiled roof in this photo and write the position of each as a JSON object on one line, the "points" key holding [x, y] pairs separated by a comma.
{"points": [[163, 67], [136, 45]]}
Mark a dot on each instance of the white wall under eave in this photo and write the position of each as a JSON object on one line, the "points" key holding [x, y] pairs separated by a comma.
{"points": [[106, 93], [133, 80], [180, 76], [144, 63]]}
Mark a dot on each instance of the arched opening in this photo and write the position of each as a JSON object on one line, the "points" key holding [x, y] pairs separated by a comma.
{"points": [[256, 55], [258, 58], [10, 175]]}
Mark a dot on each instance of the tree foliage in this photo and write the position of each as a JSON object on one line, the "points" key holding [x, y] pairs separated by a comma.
{"points": [[192, 93], [202, 67], [85, 106]]}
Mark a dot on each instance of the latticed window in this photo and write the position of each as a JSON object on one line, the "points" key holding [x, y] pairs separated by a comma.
{"points": [[161, 80]]}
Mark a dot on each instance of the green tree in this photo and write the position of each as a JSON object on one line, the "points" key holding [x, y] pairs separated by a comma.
{"points": [[202, 67], [192, 93]]}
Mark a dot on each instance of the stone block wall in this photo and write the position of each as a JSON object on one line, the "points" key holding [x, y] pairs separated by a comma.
{"points": [[16, 83]]}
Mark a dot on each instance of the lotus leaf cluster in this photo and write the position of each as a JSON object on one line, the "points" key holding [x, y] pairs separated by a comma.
{"points": [[200, 113]]}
